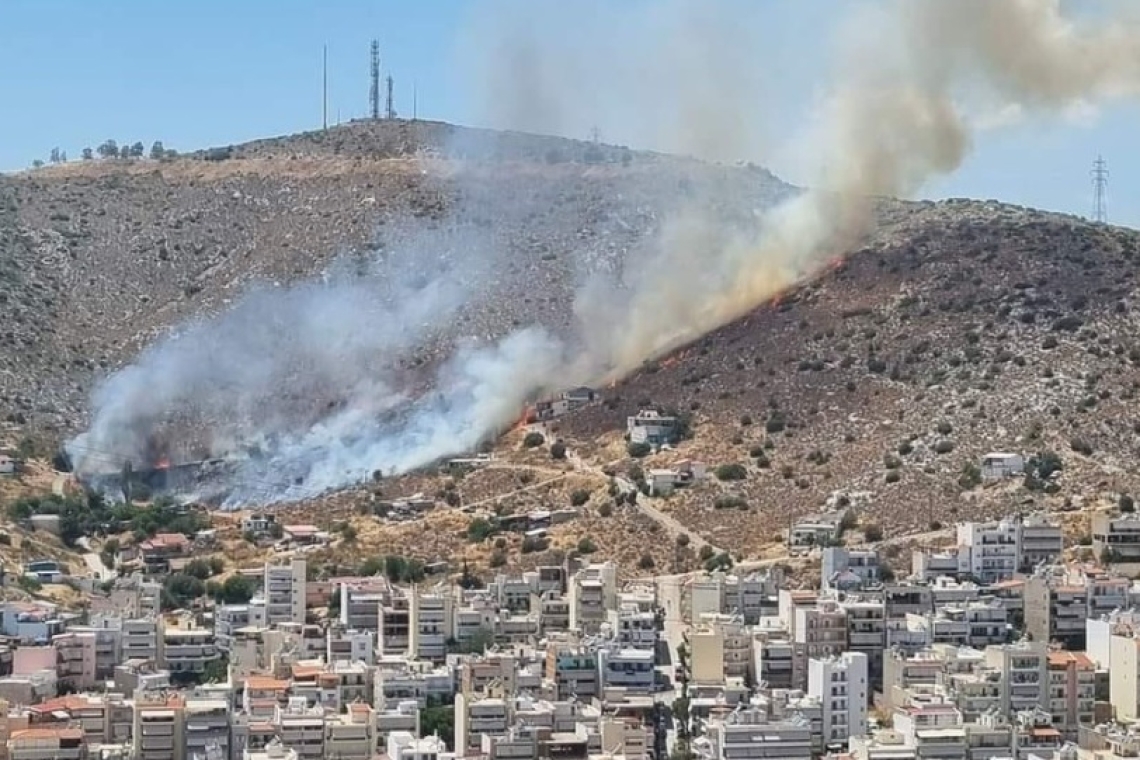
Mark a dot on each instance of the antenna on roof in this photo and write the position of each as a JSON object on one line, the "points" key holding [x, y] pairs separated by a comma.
{"points": [[374, 91]]}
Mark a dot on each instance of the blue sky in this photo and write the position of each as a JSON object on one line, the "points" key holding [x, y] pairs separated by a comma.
{"points": [[76, 72]]}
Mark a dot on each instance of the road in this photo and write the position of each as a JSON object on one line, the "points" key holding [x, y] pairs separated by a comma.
{"points": [[94, 561], [643, 503]]}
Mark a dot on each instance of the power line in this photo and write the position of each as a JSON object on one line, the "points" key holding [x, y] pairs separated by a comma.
{"points": [[1099, 175]]}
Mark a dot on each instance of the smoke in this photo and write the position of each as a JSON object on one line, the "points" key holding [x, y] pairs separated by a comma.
{"points": [[315, 379]]}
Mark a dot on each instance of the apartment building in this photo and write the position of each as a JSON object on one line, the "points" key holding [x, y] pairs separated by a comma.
{"points": [[819, 631], [989, 552], [1116, 537], [86, 656], [430, 623], [476, 717], [634, 627], [1072, 692], [395, 620], [188, 649], [48, 743], [159, 730], [284, 589], [1058, 600], [350, 735], [626, 668], [206, 728], [749, 734], [592, 592], [846, 569], [142, 639], [229, 618], [720, 647], [403, 745], [573, 670], [842, 686]]}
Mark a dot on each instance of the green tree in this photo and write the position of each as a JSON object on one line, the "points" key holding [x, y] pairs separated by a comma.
{"points": [[439, 721], [180, 590], [157, 152], [480, 529], [558, 450], [533, 440], [237, 589]]}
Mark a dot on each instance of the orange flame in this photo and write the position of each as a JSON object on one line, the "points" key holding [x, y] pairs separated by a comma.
{"points": [[162, 464]]}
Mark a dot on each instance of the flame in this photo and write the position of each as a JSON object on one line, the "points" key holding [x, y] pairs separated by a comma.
{"points": [[837, 263], [162, 464]]}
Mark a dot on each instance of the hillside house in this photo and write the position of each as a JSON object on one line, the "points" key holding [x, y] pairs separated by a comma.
{"points": [[157, 552], [661, 482], [304, 534], [579, 397], [7, 465], [999, 465], [649, 426], [45, 571], [817, 530], [258, 524]]}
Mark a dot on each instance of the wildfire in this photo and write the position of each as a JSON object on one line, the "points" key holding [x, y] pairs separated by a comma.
{"points": [[162, 464], [673, 360]]}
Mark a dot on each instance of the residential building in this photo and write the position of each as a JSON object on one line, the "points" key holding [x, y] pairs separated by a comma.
{"points": [[649, 426], [431, 622], [989, 552], [749, 734], [48, 743], [284, 590], [159, 731], [206, 728], [631, 669], [849, 569], [593, 591], [842, 686], [1072, 692], [1116, 537]]}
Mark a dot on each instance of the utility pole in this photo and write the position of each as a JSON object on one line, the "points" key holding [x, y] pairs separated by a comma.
{"points": [[1100, 187], [374, 91], [389, 105], [325, 88]]}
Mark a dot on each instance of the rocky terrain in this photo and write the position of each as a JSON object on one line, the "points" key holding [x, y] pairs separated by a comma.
{"points": [[99, 257], [955, 329]]}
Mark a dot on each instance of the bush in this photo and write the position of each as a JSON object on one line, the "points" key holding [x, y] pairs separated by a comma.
{"points": [[638, 450], [745, 420], [480, 529], [945, 446], [533, 440], [872, 533], [971, 477], [579, 497], [733, 471], [1081, 446], [587, 546], [891, 462], [776, 423], [893, 476], [682, 540], [1126, 503], [706, 553], [944, 428], [498, 558], [558, 450], [533, 544], [730, 502], [605, 510], [646, 562]]}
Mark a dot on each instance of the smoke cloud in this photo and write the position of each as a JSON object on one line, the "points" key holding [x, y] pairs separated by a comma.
{"points": [[313, 378]]}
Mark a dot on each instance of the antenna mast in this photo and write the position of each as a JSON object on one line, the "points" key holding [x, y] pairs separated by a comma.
{"points": [[389, 106], [1100, 187], [374, 92], [415, 102], [325, 88]]}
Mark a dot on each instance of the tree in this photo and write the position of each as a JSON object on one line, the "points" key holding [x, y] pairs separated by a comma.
{"points": [[638, 450], [237, 589], [137, 150], [480, 529], [872, 533], [37, 164], [440, 721], [579, 497], [108, 149], [216, 671], [55, 156], [157, 151], [533, 440], [586, 545], [88, 154], [199, 568], [558, 450], [180, 590], [125, 151], [733, 471], [348, 533]]}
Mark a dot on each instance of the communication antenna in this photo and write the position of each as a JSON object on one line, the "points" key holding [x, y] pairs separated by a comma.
{"points": [[389, 106], [374, 91], [1100, 187], [415, 102], [325, 88]]}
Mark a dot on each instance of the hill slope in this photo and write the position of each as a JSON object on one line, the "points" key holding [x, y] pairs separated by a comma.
{"points": [[962, 328], [102, 256]]}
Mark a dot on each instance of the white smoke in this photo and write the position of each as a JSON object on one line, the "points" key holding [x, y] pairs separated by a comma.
{"points": [[897, 115]]}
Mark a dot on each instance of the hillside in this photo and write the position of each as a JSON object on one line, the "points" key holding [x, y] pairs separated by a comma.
{"points": [[100, 257], [956, 329]]}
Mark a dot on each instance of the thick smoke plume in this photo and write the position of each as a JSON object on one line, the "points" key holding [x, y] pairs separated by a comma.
{"points": [[310, 379]]}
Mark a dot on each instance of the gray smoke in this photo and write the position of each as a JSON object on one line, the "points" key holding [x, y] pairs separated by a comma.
{"points": [[314, 377]]}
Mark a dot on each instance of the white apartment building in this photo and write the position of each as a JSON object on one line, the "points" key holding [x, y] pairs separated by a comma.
{"points": [[634, 627], [842, 686], [989, 552], [631, 669], [350, 735], [1118, 534], [749, 734], [228, 618], [403, 745], [188, 650], [284, 590], [301, 728], [354, 646], [849, 569], [475, 717]]}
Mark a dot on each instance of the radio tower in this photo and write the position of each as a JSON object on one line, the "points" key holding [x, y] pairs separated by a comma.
{"points": [[1100, 186], [389, 106], [374, 92]]}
